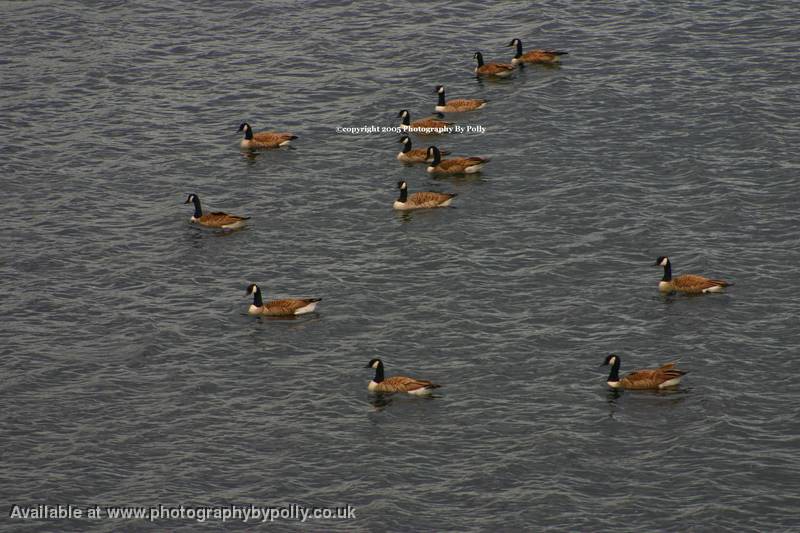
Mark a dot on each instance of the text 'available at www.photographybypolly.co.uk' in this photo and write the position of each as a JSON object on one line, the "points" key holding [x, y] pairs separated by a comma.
{"points": [[224, 513]]}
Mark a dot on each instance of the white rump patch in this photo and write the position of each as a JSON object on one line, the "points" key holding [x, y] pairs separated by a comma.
{"points": [[715, 288], [422, 391], [307, 308], [236, 225], [671, 383]]}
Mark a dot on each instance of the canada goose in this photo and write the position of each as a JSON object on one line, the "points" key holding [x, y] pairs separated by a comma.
{"points": [[264, 139], [417, 155], [659, 378], [500, 70], [687, 283], [217, 219], [288, 307], [421, 200], [424, 126], [418, 387], [456, 165], [544, 57], [458, 105]]}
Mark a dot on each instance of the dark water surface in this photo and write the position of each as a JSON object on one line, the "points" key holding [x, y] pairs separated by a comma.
{"points": [[133, 376]]}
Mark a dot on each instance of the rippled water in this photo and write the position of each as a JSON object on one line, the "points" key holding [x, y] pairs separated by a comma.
{"points": [[132, 375]]}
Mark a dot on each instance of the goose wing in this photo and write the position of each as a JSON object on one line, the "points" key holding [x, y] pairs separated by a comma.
{"points": [[429, 198], [695, 283], [273, 138], [460, 163], [495, 68], [463, 104], [286, 307], [650, 378], [219, 219], [405, 384], [542, 54]]}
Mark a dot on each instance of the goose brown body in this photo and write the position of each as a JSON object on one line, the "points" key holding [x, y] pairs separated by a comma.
{"points": [[455, 165], [499, 70], [397, 383], [264, 139], [662, 377], [285, 307], [687, 283], [217, 219], [538, 56], [458, 105], [421, 200]]}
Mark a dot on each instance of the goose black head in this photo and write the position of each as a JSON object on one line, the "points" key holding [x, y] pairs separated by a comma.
{"points": [[402, 185], [404, 139], [251, 289], [244, 126], [661, 261], [439, 89], [374, 363], [434, 154], [611, 360], [403, 113], [192, 198]]}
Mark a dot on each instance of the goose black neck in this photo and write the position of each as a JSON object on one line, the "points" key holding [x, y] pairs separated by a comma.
{"points": [[437, 158], [248, 133], [667, 272], [614, 374], [379, 370], [198, 211], [407, 146], [406, 120], [441, 98], [257, 301], [402, 200], [519, 49], [479, 57]]}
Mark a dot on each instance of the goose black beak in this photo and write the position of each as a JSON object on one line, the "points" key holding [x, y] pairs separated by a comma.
{"points": [[367, 366], [186, 202]]}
